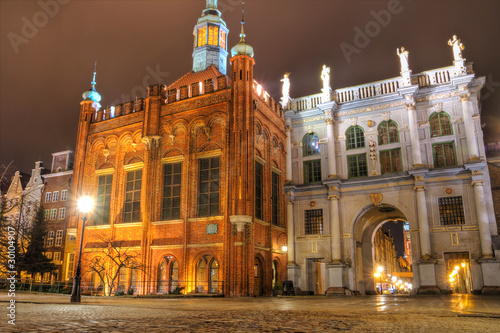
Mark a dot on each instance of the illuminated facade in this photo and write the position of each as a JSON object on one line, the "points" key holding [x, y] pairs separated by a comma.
{"points": [[182, 177], [407, 148]]}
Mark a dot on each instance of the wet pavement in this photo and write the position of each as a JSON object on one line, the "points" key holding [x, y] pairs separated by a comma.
{"points": [[450, 313]]}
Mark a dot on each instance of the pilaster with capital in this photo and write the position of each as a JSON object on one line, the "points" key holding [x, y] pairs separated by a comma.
{"points": [[482, 218], [335, 228], [472, 144], [332, 167], [288, 173], [413, 124], [423, 221]]}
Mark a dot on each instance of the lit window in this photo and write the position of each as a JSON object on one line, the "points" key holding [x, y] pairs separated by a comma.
{"points": [[213, 35], [71, 263], [202, 36], [55, 196], [48, 255], [64, 195], [57, 256], [48, 196], [275, 198], [258, 190], [451, 210], [314, 221], [222, 39], [103, 200], [50, 238], [310, 145], [62, 213]]}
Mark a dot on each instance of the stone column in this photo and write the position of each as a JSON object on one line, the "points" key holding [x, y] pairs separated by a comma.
{"points": [[415, 141], [288, 173], [335, 228], [482, 219], [332, 168], [291, 233], [423, 223], [469, 127]]}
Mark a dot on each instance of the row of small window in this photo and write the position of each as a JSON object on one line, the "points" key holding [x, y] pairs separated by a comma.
{"points": [[440, 125], [213, 38], [52, 214], [54, 196], [49, 240], [54, 256], [451, 212], [390, 162]]}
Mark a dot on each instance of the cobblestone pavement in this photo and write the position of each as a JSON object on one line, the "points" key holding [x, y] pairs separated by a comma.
{"points": [[452, 313]]}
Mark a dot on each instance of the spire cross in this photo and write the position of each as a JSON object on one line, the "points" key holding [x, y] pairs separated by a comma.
{"points": [[242, 35]]}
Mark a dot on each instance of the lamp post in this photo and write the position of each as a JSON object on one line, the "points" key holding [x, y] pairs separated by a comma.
{"points": [[85, 205]]}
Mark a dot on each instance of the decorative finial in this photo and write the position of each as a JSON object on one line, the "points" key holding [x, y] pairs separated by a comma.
{"points": [[93, 79], [242, 35]]}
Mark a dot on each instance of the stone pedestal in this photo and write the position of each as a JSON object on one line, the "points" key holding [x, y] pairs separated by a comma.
{"points": [[427, 274], [490, 268]]}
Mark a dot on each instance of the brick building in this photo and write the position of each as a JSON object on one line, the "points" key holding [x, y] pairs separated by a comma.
{"points": [[59, 244], [190, 178]]}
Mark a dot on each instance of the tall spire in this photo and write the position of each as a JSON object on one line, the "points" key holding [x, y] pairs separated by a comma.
{"points": [[211, 4], [92, 94], [242, 47]]}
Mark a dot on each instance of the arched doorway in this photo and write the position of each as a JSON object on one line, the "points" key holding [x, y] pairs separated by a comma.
{"points": [[383, 256], [258, 275], [168, 275], [207, 275]]}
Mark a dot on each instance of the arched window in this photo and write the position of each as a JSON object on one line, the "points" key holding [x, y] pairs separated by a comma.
{"points": [[355, 137], [310, 145], [207, 275], [440, 124], [388, 132], [168, 275]]}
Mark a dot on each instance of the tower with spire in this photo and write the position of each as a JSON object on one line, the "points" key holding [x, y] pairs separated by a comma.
{"points": [[210, 40]]}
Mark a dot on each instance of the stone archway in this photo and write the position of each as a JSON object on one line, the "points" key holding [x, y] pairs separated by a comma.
{"points": [[369, 220]]}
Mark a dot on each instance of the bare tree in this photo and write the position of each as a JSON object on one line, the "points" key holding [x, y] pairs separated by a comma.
{"points": [[111, 258]]}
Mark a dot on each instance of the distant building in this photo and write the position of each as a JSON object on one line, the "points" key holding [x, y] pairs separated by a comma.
{"points": [[59, 243], [191, 177], [407, 148]]}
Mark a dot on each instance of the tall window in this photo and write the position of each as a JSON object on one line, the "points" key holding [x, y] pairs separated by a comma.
{"points": [[258, 190], [213, 35], [275, 198], [55, 196], [314, 221], [223, 39], [208, 197], [172, 174], [103, 204], [357, 166], [310, 145], [59, 236], [355, 137], [133, 196], [202, 36], [390, 161], [48, 196], [444, 154], [64, 195], [388, 132], [312, 171], [62, 213], [50, 238], [71, 263], [46, 214], [451, 210], [207, 275], [440, 124], [57, 256], [53, 213]]}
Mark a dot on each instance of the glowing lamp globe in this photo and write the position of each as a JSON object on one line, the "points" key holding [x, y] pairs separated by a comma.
{"points": [[85, 204]]}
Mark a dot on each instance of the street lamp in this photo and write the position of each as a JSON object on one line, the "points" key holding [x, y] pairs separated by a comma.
{"points": [[85, 205], [284, 248]]}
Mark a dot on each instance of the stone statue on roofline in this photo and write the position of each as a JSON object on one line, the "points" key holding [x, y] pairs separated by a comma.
{"points": [[403, 57], [457, 46], [285, 90], [325, 76]]}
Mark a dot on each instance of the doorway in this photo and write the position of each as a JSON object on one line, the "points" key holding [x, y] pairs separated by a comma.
{"points": [[458, 270], [316, 280]]}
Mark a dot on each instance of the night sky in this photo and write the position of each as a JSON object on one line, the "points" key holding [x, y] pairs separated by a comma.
{"points": [[47, 60]]}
